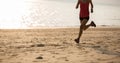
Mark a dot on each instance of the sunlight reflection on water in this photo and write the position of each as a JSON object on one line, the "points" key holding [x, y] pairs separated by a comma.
{"points": [[40, 13]]}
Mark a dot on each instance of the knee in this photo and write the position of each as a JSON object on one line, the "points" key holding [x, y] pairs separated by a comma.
{"points": [[82, 27]]}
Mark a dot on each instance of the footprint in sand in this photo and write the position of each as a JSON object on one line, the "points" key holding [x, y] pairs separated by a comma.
{"points": [[53, 52], [37, 45], [40, 45], [55, 45], [96, 46], [0, 60], [103, 50], [118, 39], [63, 58], [40, 57]]}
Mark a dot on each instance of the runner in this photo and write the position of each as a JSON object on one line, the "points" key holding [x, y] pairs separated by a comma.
{"points": [[84, 16]]}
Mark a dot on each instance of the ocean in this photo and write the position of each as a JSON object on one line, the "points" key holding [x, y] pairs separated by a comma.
{"points": [[54, 13]]}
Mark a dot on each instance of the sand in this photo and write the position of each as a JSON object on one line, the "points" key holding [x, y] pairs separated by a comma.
{"points": [[98, 45]]}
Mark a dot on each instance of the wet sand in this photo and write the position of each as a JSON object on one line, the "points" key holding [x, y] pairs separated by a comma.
{"points": [[98, 45]]}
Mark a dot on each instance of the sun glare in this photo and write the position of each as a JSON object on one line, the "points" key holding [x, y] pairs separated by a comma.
{"points": [[11, 12]]}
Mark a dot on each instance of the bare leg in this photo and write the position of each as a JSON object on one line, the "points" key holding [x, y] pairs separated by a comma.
{"points": [[82, 26], [87, 26], [91, 24]]}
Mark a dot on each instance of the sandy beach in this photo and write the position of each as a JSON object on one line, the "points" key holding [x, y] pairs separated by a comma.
{"points": [[98, 45]]}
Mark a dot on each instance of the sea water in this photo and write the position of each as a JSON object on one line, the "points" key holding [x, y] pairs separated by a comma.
{"points": [[54, 13]]}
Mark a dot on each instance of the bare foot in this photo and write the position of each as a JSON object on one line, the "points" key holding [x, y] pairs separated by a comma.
{"points": [[93, 24], [77, 41]]}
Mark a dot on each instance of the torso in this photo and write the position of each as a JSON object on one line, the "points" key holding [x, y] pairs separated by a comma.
{"points": [[84, 8], [84, 1]]}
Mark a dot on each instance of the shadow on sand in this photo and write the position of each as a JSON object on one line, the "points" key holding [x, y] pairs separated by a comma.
{"points": [[100, 48]]}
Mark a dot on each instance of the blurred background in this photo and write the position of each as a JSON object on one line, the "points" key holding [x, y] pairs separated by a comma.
{"points": [[54, 13]]}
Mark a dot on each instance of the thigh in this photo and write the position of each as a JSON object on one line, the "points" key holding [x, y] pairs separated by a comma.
{"points": [[84, 21]]}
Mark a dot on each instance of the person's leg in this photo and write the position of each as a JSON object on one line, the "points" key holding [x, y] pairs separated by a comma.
{"points": [[86, 26], [91, 24], [82, 26]]}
